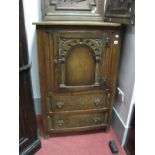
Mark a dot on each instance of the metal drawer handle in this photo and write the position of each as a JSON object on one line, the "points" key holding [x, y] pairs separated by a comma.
{"points": [[95, 120], [97, 102], [60, 122], [60, 104]]}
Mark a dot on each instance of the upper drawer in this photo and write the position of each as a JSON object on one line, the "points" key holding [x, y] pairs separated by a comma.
{"points": [[79, 102]]}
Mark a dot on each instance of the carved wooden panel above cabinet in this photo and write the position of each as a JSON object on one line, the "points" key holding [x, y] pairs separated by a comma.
{"points": [[119, 11], [78, 5], [72, 9]]}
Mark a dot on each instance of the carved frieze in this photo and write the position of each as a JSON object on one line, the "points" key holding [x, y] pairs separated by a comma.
{"points": [[67, 44], [73, 4], [96, 45]]}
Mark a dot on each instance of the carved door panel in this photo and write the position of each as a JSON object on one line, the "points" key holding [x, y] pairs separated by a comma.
{"points": [[121, 11], [78, 58], [72, 9]]}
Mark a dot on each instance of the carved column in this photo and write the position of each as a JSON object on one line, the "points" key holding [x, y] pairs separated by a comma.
{"points": [[97, 70], [62, 61]]}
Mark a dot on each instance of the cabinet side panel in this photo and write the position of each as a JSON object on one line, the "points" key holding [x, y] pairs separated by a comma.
{"points": [[42, 76], [115, 49]]}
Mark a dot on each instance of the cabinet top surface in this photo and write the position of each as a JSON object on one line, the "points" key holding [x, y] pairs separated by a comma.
{"points": [[76, 23]]}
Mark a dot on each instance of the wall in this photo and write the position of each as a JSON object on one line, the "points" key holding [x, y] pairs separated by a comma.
{"points": [[126, 80], [32, 13]]}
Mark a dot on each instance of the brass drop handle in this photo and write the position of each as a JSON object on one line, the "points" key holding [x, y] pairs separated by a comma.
{"points": [[60, 122], [95, 120], [60, 104], [97, 102]]}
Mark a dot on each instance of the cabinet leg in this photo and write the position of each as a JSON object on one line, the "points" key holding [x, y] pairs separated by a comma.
{"points": [[107, 129]]}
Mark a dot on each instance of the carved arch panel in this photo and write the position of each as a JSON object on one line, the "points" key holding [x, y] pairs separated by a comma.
{"points": [[92, 50]]}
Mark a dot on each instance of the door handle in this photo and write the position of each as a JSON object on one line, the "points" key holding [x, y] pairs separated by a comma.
{"points": [[60, 60]]}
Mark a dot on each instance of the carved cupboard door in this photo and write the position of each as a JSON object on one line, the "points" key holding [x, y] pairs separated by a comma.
{"points": [[77, 57]]}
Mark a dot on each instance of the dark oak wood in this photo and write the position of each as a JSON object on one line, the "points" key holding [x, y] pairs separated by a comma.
{"points": [[77, 23], [95, 110], [76, 120], [79, 102], [79, 130], [29, 142], [130, 141], [23, 55], [120, 11], [28, 133], [77, 70]]}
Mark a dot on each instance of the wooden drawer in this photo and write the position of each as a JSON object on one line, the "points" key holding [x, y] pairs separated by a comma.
{"points": [[77, 120], [79, 102]]}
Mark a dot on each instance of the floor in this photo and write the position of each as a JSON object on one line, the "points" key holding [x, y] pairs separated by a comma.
{"points": [[81, 144]]}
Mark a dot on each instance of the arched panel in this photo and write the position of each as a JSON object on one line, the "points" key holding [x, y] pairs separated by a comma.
{"points": [[80, 66]]}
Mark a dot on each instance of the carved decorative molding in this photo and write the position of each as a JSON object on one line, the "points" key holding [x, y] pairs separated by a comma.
{"points": [[97, 45], [67, 44], [107, 40], [73, 4]]}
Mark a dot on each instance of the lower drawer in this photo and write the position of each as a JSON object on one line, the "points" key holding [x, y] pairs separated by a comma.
{"points": [[79, 102], [67, 121]]}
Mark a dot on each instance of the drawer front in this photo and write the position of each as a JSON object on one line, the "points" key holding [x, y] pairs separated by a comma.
{"points": [[79, 102], [78, 120]]}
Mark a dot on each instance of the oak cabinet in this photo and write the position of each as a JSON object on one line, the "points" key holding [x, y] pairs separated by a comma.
{"points": [[77, 70], [78, 55]]}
